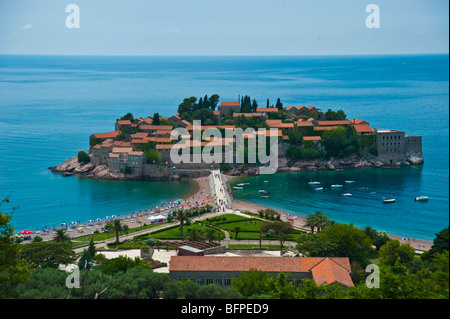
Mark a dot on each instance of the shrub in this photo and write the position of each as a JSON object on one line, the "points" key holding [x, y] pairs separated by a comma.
{"points": [[83, 157]]}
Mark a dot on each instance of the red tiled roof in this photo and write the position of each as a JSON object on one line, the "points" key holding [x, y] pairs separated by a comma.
{"points": [[321, 128], [233, 103], [329, 271], [155, 127], [139, 135], [363, 128], [107, 135], [300, 107], [312, 138], [341, 122], [247, 114], [311, 107], [358, 121], [267, 109], [304, 123], [124, 122], [335, 269], [204, 127]]}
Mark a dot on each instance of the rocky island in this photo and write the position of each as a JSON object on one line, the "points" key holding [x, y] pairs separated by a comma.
{"points": [[307, 140]]}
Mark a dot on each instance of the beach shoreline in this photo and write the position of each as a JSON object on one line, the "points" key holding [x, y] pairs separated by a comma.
{"points": [[299, 222], [200, 196]]}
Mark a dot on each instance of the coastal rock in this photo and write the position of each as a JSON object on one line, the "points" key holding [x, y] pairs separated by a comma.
{"points": [[67, 166], [84, 168]]}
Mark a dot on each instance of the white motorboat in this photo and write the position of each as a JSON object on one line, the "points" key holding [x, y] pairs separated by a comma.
{"points": [[336, 185], [236, 187], [421, 198], [389, 201], [349, 181], [318, 188], [347, 195], [314, 183]]}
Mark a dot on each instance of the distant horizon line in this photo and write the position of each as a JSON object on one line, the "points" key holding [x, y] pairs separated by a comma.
{"points": [[231, 55]]}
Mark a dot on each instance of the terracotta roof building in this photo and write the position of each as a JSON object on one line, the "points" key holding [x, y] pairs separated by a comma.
{"points": [[220, 269]]}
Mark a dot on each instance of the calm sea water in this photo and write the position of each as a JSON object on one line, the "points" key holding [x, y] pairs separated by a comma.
{"points": [[49, 106]]}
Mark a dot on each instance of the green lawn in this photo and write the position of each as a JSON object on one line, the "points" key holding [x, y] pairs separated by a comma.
{"points": [[174, 232]]}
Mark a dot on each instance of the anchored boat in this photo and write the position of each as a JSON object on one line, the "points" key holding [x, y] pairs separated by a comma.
{"points": [[389, 201], [421, 198], [347, 195]]}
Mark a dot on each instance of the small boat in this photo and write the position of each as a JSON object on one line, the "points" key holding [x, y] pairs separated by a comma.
{"points": [[264, 196], [373, 193], [266, 181], [241, 184], [361, 187], [389, 201], [265, 193], [235, 187], [421, 198], [318, 188], [349, 181], [347, 195], [336, 185], [314, 183], [261, 191]]}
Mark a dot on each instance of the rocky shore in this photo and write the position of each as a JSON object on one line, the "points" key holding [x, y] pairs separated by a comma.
{"points": [[73, 167], [352, 162]]}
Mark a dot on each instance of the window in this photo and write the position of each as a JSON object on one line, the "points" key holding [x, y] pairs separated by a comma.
{"points": [[227, 281], [209, 281], [201, 281], [219, 281]]}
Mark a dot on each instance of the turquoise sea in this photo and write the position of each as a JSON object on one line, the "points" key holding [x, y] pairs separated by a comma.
{"points": [[49, 105]]}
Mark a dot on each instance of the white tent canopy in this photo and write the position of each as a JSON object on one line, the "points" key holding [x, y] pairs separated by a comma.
{"points": [[157, 217]]}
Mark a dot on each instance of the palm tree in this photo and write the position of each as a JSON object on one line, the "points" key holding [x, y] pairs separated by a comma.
{"points": [[116, 228], [194, 234], [211, 234], [62, 237], [311, 222], [322, 220], [182, 217], [236, 231]]}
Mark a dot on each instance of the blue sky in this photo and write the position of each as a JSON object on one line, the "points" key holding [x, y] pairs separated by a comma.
{"points": [[232, 27]]}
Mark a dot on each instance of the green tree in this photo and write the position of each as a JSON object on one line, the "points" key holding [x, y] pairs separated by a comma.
{"points": [[440, 245], [13, 270], [211, 234], [237, 229], [62, 237], [83, 157], [252, 283], [152, 157], [182, 217], [128, 116], [156, 119], [393, 251], [194, 234], [47, 254], [117, 229], [212, 101]]}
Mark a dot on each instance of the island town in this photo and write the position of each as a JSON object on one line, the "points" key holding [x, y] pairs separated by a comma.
{"points": [[308, 139]]}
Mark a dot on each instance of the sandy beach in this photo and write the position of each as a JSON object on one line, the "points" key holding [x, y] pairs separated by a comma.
{"points": [[299, 222], [201, 196]]}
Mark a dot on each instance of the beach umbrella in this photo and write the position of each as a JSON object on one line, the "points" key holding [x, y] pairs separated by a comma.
{"points": [[107, 217], [26, 232], [90, 220], [113, 216], [81, 227], [98, 219]]}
